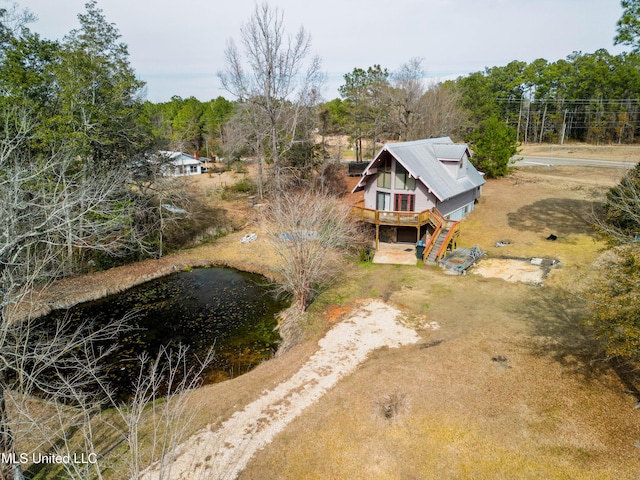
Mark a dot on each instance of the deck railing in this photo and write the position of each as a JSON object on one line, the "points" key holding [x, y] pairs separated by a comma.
{"points": [[434, 217], [452, 229], [380, 217]]}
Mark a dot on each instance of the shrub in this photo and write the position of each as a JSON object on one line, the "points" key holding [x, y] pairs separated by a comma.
{"points": [[622, 210], [243, 187]]}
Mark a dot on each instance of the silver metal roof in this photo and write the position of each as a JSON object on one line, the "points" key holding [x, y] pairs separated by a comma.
{"points": [[424, 160]]}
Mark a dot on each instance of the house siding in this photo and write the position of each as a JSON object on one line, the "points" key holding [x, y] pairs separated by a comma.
{"points": [[455, 206], [423, 199], [177, 170], [461, 212], [178, 164]]}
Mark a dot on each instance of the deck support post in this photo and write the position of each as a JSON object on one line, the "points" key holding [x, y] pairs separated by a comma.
{"points": [[377, 236]]}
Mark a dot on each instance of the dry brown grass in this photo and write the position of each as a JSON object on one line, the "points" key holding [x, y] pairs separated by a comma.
{"points": [[579, 150], [545, 412], [549, 410], [535, 202]]}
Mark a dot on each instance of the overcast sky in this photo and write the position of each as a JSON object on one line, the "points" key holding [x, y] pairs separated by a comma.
{"points": [[177, 46]]}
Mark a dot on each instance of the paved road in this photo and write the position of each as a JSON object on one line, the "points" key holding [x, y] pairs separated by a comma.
{"points": [[526, 160]]}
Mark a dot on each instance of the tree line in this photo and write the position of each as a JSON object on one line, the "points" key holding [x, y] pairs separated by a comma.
{"points": [[190, 125], [587, 97]]}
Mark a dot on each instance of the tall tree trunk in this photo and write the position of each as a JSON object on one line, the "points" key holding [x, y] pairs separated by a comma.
{"points": [[275, 156], [544, 117], [260, 177]]}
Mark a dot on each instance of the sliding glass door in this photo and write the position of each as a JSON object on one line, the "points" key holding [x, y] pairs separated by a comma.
{"points": [[383, 201]]}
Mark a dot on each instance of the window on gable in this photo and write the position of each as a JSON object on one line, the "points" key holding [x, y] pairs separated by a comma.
{"points": [[384, 174], [403, 180]]}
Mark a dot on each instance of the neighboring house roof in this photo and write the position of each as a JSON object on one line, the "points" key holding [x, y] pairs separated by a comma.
{"points": [[424, 160], [180, 158]]}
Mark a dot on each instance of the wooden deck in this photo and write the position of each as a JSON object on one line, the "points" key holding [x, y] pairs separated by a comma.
{"points": [[445, 232], [399, 219]]}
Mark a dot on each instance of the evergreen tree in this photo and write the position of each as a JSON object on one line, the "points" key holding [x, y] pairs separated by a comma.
{"points": [[98, 105], [366, 95], [493, 144], [615, 316], [629, 25]]}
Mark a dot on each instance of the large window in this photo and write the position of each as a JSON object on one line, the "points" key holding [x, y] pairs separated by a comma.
{"points": [[404, 202], [403, 179], [384, 174]]}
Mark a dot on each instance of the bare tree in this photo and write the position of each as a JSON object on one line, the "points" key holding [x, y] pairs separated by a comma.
{"points": [[138, 436], [51, 379], [248, 130], [103, 434], [421, 110], [271, 77], [441, 112], [310, 233], [50, 210], [12, 20], [408, 89]]}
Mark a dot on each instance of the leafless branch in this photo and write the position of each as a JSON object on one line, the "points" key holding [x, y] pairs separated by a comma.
{"points": [[310, 232]]}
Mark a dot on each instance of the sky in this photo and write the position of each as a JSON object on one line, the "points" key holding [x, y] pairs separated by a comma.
{"points": [[177, 46]]}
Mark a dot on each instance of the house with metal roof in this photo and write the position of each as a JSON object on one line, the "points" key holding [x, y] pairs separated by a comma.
{"points": [[418, 191]]}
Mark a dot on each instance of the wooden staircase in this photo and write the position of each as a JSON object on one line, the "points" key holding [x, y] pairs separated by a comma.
{"points": [[432, 258], [445, 233]]}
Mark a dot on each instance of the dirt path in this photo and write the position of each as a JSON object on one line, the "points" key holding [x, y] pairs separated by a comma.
{"points": [[223, 454]]}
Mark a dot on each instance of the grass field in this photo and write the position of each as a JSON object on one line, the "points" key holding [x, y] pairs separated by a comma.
{"points": [[510, 385]]}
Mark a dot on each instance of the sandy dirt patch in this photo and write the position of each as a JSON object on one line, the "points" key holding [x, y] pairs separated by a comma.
{"points": [[223, 453], [510, 270]]}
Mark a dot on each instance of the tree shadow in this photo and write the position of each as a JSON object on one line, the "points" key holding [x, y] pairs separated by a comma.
{"points": [[558, 330], [563, 216], [556, 319]]}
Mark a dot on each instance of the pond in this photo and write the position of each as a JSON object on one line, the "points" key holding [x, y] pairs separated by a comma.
{"points": [[230, 309]]}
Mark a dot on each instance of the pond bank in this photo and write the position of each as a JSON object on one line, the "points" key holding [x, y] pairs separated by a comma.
{"points": [[253, 257]]}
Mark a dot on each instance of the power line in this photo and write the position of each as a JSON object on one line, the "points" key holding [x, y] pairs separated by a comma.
{"points": [[578, 101]]}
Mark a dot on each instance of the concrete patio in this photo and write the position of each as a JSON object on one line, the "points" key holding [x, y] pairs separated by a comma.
{"points": [[396, 254]]}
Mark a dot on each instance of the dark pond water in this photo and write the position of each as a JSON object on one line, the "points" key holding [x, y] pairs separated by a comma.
{"points": [[227, 308]]}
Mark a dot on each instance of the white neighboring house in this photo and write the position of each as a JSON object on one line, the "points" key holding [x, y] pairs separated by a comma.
{"points": [[180, 164]]}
